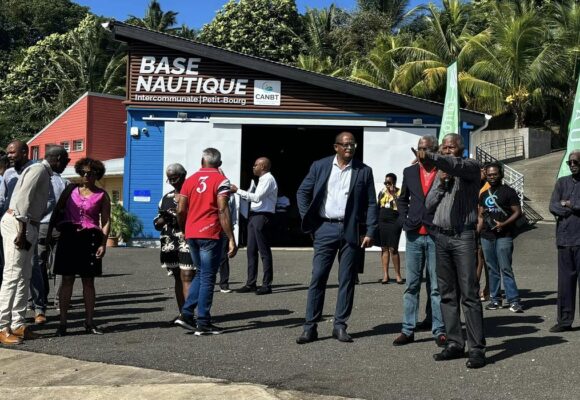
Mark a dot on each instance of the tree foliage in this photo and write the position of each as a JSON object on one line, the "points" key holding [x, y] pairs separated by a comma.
{"points": [[155, 18], [263, 28]]}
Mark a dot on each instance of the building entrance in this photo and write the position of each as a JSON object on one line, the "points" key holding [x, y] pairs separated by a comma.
{"points": [[292, 150]]}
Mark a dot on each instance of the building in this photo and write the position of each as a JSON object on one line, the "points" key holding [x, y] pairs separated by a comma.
{"points": [[184, 96], [93, 126]]}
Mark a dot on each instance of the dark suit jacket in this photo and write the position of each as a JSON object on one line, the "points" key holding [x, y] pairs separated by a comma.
{"points": [[361, 207], [411, 202]]}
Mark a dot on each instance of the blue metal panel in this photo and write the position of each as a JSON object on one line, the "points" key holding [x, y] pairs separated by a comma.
{"points": [[144, 169]]}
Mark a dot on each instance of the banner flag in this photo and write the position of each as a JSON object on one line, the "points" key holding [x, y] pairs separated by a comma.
{"points": [[573, 134], [450, 118]]}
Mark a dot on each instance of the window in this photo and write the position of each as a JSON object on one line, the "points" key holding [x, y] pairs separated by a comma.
{"points": [[115, 196], [78, 145], [35, 152], [66, 145]]}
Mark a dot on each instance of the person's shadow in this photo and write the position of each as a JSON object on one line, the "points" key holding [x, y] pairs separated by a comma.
{"points": [[516, 346]]}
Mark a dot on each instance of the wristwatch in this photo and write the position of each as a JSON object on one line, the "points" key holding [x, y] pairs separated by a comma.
{"points": [[563, 203]]}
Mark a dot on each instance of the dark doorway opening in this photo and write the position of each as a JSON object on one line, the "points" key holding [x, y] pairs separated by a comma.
{"points": [[292, 150]]}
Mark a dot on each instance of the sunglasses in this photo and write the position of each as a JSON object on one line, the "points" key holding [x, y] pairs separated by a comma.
{"points": [[572, 162], [88, 174]]}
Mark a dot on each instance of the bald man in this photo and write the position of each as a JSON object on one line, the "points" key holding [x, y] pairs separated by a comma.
{"points": [[263, 205]]}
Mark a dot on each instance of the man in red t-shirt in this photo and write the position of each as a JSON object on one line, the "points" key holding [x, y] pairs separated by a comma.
{"points": [[420, 249], [203, 213]]}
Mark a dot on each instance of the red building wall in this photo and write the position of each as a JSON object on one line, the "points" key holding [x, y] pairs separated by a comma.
{"points": [[97, 120], [106, 123]]}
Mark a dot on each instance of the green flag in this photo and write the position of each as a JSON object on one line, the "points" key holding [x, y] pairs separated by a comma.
{"points": [[450, 118], [573, 134]]}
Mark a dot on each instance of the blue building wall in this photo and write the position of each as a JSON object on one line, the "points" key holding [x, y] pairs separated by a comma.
{"points": [[144, 158]]}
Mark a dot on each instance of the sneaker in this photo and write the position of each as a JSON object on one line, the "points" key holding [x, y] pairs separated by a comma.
{"points": [[225, 289], [185, 322], [493, 305], [516, 308], [208, 330]]}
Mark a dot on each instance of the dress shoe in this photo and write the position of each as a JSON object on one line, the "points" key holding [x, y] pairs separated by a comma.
{"points": [[40, 319], [61, 331], [246, 289], [263, 290], [403, 339], [307, 337], [92, 329], [476, 359], [24, 333], [8, 339], [341, 335], [560, 328], [449, 353]]}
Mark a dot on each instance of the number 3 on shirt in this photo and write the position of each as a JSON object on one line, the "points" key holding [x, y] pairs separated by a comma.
{"points": [[202, 186]]}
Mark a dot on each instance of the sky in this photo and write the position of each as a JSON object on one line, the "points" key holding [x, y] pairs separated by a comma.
{"points": [[194, 13]]}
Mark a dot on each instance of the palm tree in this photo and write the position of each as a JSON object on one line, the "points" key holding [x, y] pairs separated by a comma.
{"points": [[379, 67], [321, 65], [155, 19], [395, 10], [519, 56], [565, 21]]}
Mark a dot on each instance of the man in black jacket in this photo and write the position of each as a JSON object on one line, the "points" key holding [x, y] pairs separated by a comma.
{"points": [[420, 248]]}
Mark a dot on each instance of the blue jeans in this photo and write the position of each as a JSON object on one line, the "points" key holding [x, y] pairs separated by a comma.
{"points": [[420, 252], [206, 253], [498, 257]]}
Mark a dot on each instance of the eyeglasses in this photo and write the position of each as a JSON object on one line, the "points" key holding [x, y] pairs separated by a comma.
{"points": [[572, 162], [88, 174], [173, 179], [347, 145]]}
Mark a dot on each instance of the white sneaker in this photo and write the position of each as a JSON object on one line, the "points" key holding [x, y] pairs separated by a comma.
{"points": [[516, 308]]}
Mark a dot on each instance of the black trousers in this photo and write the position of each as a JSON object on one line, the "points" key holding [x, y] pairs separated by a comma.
{"points": [[568, 273], [259, 242], [457, 279]]}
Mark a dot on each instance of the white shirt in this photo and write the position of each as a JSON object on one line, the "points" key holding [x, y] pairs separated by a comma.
{"points": [[334, 206], [263, 199]]}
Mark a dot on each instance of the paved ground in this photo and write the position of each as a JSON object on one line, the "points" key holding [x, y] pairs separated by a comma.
{"points": [[135, 299]]}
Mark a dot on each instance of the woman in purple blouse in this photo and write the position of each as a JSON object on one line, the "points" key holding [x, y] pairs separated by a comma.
{"points": [[84, 227]]}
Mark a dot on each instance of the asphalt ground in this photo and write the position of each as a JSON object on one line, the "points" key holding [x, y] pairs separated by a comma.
{"points": [[135, 301]]}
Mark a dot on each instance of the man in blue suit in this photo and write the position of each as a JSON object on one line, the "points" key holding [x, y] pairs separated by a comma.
{"points": [[337, 203]]}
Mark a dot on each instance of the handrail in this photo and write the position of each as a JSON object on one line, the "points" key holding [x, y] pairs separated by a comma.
{"points": [[505, 149]]}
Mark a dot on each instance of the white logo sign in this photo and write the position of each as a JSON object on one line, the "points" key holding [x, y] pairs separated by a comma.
{"points": [[267, 93]]}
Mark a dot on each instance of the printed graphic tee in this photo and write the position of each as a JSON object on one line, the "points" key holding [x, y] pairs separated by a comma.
{"points": [[505, 197]]}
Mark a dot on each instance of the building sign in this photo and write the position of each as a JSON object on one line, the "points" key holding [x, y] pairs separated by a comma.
{"points": [[178, 80], [142, 196], [267, 93]]}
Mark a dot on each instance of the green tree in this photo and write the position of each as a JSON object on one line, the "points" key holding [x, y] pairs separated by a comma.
{"points": [[518, 54], [263, 28], [155, 18], [54, 72], [395, 10], [23, 23]]}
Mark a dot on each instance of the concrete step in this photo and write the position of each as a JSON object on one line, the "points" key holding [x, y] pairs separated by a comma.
{"points": [[540, 175]]}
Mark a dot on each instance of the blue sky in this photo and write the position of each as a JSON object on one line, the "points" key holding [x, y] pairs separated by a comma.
{"points": [[194, 13]]}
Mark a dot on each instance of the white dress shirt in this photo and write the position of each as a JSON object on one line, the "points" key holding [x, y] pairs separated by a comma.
{"points": [[263, 199], [334, 206]]}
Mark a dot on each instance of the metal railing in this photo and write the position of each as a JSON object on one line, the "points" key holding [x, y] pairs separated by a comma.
{"points": [[509, 149]]}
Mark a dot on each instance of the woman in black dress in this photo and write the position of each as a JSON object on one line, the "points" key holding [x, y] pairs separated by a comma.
{"points": [[389, 227]]}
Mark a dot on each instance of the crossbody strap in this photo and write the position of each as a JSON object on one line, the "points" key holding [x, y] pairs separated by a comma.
{"points": [[495, 202]]}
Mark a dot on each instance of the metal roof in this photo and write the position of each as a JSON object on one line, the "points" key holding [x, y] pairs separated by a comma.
{"points": [[126, 31]]}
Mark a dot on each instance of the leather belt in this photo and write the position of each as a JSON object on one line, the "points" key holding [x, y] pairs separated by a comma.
{"points": [[333, 220], [33, 223], [453, 231], [268, 214]]}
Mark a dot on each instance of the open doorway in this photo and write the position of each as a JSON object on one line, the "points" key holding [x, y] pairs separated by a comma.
{"points": [[292, 150]]}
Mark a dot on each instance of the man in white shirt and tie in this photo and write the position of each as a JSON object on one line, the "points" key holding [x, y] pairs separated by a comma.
{"points": [[262, 207]]}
